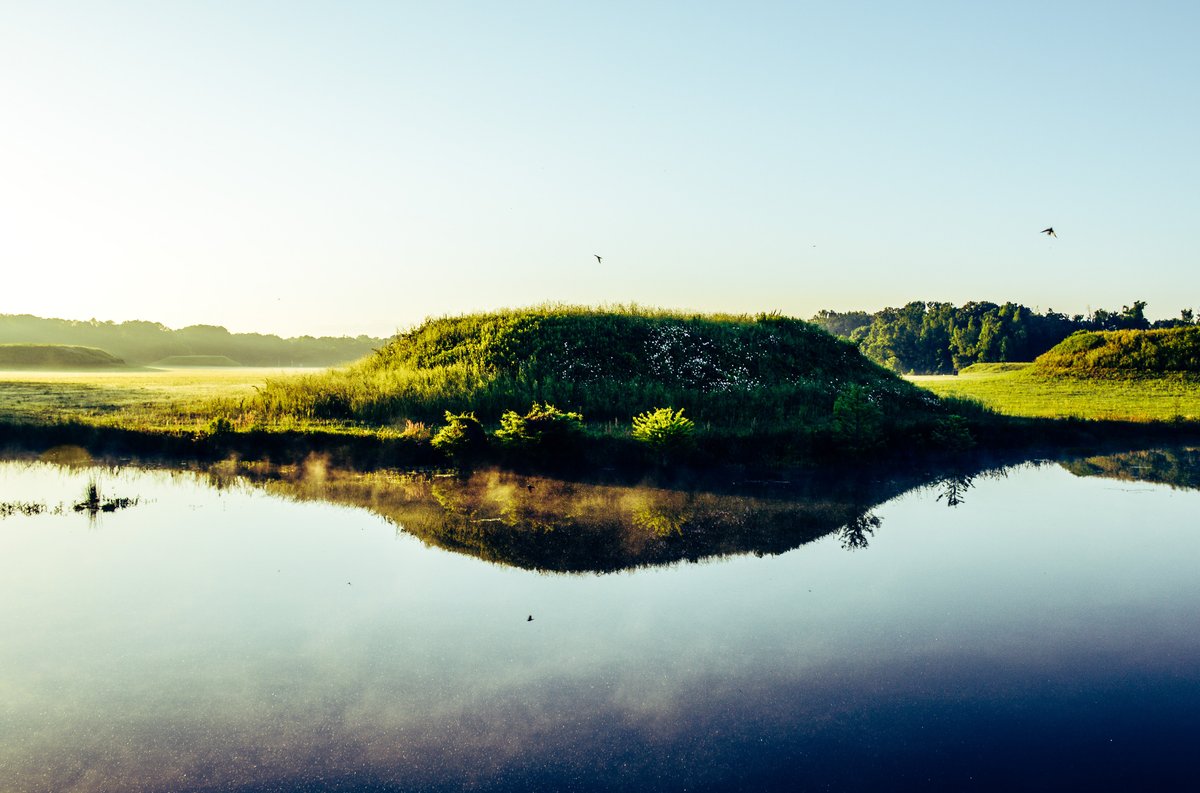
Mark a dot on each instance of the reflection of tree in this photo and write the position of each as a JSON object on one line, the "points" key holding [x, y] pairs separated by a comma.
{"points": [[954, 488], [855, 533]]}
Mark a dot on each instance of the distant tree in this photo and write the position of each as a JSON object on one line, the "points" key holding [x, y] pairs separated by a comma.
{"points": [[841, 324], [938, 338]]}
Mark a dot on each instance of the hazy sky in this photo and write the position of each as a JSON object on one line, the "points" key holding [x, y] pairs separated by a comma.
{"points": [[352, 167]]}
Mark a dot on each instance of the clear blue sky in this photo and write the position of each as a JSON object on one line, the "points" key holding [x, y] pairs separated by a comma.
{"points": [[352, 167]]}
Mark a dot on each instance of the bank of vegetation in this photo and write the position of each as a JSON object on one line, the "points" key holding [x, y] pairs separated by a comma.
{"points": [[143, 343], [627, 387]]}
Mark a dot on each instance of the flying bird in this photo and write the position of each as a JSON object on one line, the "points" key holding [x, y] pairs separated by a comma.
{"points": [[530, 618], [598, 260], [1048, 232]]}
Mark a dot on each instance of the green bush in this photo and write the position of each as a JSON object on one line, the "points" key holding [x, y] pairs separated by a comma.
{"points": [[462, 436], [857, 419], [663, 428], [544, 426]]}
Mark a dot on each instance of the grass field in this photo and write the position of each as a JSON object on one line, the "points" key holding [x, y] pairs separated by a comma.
{"points": [[1017, 390], [130, 397]]}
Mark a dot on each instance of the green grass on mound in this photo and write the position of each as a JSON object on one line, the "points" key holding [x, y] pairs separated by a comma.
{"points": [[55, 356], [1124, 353], [733, 374], [195, 360]]}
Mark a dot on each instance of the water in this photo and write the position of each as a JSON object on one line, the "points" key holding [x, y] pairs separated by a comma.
{"points": [[254, 630]]}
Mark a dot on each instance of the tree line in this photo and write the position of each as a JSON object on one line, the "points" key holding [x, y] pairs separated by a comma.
{"points": [[141, 342], [941, 338]]}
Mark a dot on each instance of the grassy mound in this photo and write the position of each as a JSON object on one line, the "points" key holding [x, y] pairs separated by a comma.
{"points": [[55, 356], [196, 360], [1124, 353], [731, 374]]}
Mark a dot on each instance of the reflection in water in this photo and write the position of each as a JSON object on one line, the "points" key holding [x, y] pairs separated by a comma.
{"points": [[1178, 467], [953, 489], [855, 533], [552, 525], [218, 638], [93, 503]]}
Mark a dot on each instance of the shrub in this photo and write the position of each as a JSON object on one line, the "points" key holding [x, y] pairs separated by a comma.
{"points": [[544, 426], [462, 436], [663, 428], [857, 419]]}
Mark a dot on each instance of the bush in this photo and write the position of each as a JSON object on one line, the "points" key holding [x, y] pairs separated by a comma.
{"points": [[857, 419], [462, 436], [663, 428], [544, 426]]}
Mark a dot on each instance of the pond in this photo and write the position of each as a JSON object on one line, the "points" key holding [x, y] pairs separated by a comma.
{"points": [[242, 628]]}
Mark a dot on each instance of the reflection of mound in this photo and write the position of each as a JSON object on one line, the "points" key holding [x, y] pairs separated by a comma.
{"points": [[553, 525], [1175, 467]]}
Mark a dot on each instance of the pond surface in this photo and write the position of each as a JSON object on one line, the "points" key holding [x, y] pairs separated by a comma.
{"points": [[249, 630]]}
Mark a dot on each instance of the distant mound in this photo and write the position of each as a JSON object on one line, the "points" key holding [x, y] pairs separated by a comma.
{"points": [[735, 374], [55, 356], [139, 342], [196, 360], [1124, 353]]}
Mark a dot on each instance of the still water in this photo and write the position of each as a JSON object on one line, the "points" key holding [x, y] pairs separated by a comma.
{"points": [[1036, 628]]}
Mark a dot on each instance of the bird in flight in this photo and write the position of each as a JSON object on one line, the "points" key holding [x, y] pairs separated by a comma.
{"points": [[1048, 232], [530, 619], [598, 260]]}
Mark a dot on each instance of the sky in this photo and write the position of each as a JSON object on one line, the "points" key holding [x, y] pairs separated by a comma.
{"points": [[353, 167]]}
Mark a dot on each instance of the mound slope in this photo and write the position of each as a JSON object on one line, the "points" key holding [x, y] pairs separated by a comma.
{"points": [[1124, 352], [55, 356]]}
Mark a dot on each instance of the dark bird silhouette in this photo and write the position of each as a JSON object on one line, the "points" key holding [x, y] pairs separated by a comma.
{"points": [[1048, 232], [598, 260], [530, 618]]}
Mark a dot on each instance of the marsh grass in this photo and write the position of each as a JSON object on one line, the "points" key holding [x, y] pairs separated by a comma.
{"points": [[143, 398]]}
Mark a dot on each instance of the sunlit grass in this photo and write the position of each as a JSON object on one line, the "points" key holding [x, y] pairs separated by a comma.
{"points": [[142, 398], [1021, 391]]}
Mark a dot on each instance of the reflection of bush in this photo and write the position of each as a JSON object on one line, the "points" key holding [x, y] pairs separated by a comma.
{"points": [[660, 522]]}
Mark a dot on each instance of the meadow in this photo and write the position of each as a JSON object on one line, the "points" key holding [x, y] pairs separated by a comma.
{"points": [[1015, 389], [171, 398]]}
